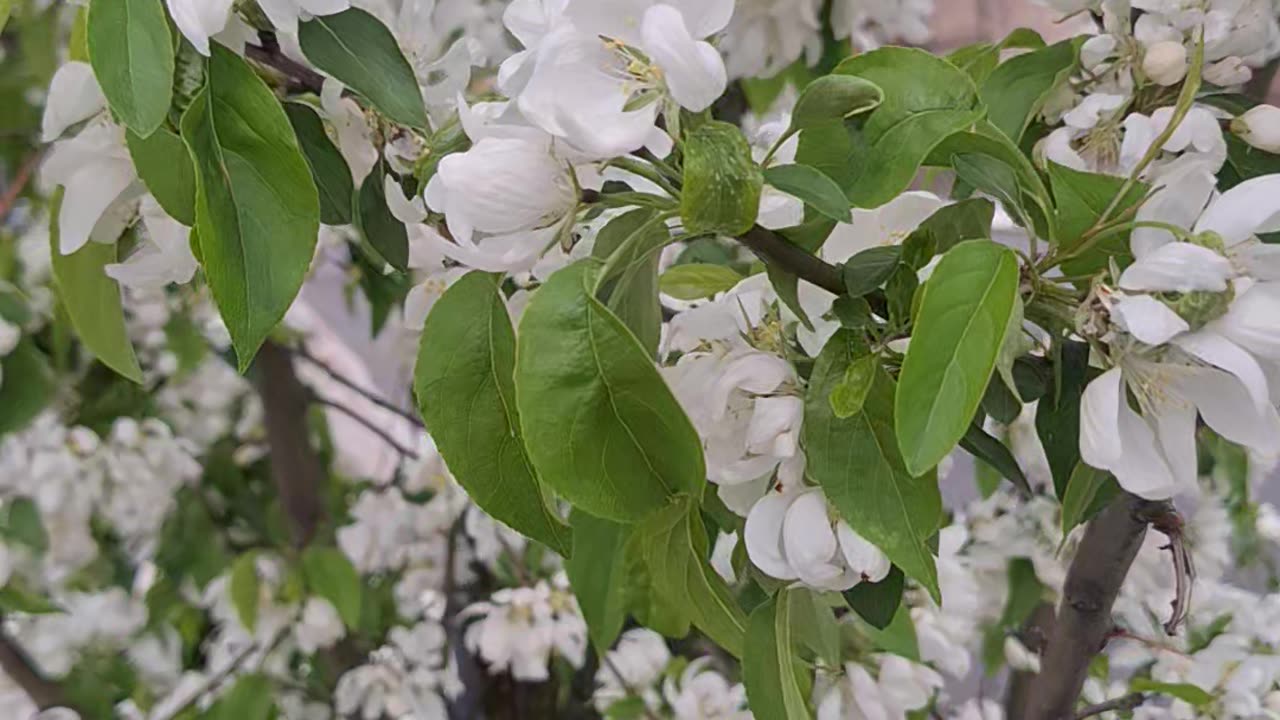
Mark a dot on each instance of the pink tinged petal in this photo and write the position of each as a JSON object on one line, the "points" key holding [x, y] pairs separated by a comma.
{"points": [[763, 536], [1225, 405], [74, 95], [1222, 353], [1178, 267], [1253, 321], [694, 71], [1141, 468], [1148, 319], [1100, 420], [1252, 207]]}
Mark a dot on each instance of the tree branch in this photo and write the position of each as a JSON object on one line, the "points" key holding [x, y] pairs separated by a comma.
{"points": [[782, 253], [1128, 702], [363, 392], [270, 55], [20, 668], [1084, 622], [295, 465]]}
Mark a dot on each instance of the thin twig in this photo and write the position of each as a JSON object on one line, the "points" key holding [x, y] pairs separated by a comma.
{"points": [[269, 54], [366, 424], [369, 395], [1128, 702], [25, 171], [217, 678], [626, 686]]}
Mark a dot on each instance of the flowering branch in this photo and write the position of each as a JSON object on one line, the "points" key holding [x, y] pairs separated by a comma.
{"points": [[19, 666], [1128, 702], [775, 249], [1084, 622]]}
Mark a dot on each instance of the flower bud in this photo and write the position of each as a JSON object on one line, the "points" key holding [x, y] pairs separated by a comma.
{"points": [[1260, 127], [1165, 62]]}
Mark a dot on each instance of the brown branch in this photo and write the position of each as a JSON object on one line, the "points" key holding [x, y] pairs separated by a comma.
{"points": [[270, 55], [1084, 622], [1033, 635], [1128, 702], [363, 392], [20, 668], [367, 424], [295, 465], [786, 255], [20, 180]]}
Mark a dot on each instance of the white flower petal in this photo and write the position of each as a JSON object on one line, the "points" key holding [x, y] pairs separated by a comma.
{"points": [[74, 95], [1141, 468], [200, 19], [1100, 420], [1178, 267], [864, 558], [1147, 319], [1251, 321], [1225, 405], [763, 535], [1175, 423], [1222, 353], [693, 69], [1179, 200], [1250, 208]]}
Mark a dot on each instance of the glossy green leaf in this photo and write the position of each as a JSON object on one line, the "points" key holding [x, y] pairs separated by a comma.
{"points": [[697, 281], [984, 139], [628, 282], [242, 587], [980, 444], [132, 55], [651, 608], [870, 269], [964, 316], [93, 300], [771, 672], [329, 169], [1081, 198], [722, 182], [815, 626], [165, 168], [1186, 692], [600, 423], [993, 177], [848, 397], [857, 463], [1016, 91], [27, 386], [598, 575], [251, 698], [676, 551], [1085, 492], [466, 394], [331, 576], [1058, 414], [375, 222], [898, 637], [6, 7], [257, 211], [834, 98], [926, 99], [878, 603], [357, 49], [813, 188]]}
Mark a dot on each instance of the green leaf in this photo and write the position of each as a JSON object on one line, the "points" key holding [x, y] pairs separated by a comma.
{"points": [[598, 575], [985, 139], [848, 397], [17, 597], [926, 99], [857, 463], [878, 603], [812, 187], [834, 98], [994, 177], [870, 268], [357, 49], [697, 281], [771, 672], [27, 386], [331, 576], [243, 589], [947, 227], [628, 282], [653, 609], [165, 168], [466, 393], [898, 637], [1087, 491], [963, 319], [251, 698], [815, 626], [1186, 692], [132, 55], [92, 299], [1058, 414], [329, 169], [980, 444], [6, 7], [257, 210], [1081, 198], [722, 182], [600, 423], [1016, 91], [20, 522], [676, 550], [375, 222]]}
